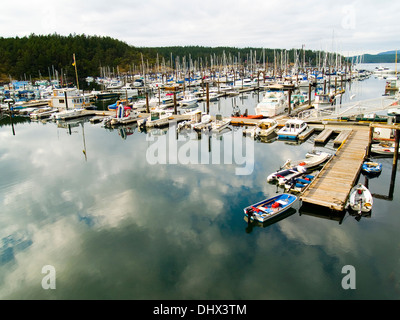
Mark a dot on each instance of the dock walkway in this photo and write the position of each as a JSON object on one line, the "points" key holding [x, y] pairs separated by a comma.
{"points": [[332, 186]]}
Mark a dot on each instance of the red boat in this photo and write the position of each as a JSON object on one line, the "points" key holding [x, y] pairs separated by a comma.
{"points": [[249, 117], [236, 114]]}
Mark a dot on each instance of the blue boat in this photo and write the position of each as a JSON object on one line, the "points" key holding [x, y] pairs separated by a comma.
{"points": [[270, 208], [369, 167]]}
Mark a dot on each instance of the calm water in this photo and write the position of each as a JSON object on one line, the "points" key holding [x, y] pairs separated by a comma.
{"points": [[91, 203]]}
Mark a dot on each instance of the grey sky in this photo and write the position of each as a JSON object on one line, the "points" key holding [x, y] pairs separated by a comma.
{"points": [[348, 27]]}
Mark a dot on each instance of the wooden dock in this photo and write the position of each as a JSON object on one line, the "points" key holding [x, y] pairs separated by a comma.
{"points": [[332, 186], [323, 136]]}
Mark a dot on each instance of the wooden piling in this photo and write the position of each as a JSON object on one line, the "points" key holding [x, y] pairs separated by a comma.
{"points": [[208, 98], [147, 103], [175, 109]]}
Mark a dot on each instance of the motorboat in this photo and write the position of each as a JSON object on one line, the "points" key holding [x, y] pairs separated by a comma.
{"points": [[124, 115], [291, 170], [360, 199], [292, 129], [270, 207], [265, 128], [383, 148], [300, 183], [272, 104], [219, 123]]}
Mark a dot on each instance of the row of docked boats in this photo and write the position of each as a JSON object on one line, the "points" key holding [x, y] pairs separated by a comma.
{"points": [[297, 176]]}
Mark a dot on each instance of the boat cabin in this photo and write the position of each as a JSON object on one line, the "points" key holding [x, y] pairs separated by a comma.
{"points": [[69, 98]]}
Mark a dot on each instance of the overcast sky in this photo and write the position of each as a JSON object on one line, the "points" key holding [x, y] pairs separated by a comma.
{"points": [[347, 27]]}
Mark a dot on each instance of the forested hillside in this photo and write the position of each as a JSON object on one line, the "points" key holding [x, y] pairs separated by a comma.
{"points": [[38, 56]]}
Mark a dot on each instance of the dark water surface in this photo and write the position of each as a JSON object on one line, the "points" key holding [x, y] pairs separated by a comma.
{"points": [[128, 219]]}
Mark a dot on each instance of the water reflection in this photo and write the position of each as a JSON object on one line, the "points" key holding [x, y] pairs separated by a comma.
{"points": [[117, 227]]}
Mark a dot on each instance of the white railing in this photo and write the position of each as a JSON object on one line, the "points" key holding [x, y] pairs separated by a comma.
{"points": [[349, 109]]}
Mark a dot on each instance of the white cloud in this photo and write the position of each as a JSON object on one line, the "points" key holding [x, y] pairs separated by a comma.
{"points": [[343, 25]]}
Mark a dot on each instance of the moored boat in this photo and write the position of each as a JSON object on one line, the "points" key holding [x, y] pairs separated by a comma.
{"points": [[291, 170], [298, 184], [270, 207], [383, 148], [265, 128], [292, 129], [360, 199], [272, 104], [372, 168]]}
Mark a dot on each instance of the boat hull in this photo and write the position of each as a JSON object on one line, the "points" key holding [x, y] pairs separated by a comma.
{"points": [[270, 208], [360, 199]]}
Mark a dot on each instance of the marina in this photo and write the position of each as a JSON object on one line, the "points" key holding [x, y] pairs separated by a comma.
{"points": [[160, 202]]}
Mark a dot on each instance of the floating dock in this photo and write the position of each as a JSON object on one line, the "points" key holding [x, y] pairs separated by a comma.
{"points": [[332, 186]]}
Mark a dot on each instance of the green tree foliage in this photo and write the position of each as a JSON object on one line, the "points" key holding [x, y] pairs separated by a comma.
{"points": [[38, 55]]}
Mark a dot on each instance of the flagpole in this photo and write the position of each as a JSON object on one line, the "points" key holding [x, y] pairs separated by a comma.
{"points": [[76, 73]]}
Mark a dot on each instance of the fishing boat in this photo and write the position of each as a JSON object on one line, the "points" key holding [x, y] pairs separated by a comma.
{"points": [[292, 129], [272, 104], [270, 208], [372, 168], [360, 199]]}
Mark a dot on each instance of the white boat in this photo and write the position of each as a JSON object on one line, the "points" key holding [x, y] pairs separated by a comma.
{"points": [[323, 100], [383, 148], [69, 98], [195, 119], [157, 118], [291, 170], [272, 104], [219, 123], [68, 114], [381, 70], [265, 128], [360, 199], [204, 124], [189, 99], [41, 113], [292, 129]]}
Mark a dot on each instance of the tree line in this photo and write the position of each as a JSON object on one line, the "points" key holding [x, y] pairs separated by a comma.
{"points": [[42, 56]]}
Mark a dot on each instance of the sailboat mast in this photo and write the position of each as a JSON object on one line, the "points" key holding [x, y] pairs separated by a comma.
{"points": [[76, 73]]}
